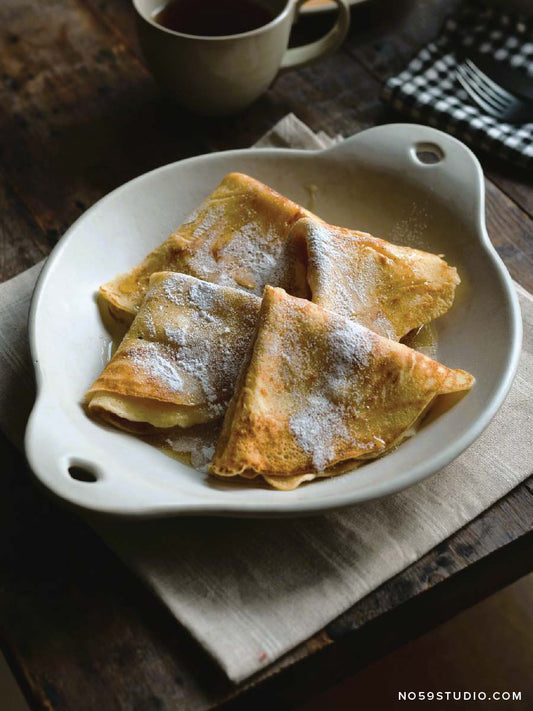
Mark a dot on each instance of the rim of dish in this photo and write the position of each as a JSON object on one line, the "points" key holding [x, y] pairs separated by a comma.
{"points": [[326, 501]]}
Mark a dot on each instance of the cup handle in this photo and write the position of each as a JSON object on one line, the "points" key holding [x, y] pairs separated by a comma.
{"points": [[299, 56]]}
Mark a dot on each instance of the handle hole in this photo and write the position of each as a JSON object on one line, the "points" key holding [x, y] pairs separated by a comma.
{"points": [[82, 473], [428, 153]]}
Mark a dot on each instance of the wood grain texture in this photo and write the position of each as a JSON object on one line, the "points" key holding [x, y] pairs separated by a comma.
{"points": [[21, 238], [81, 631], [515, 183], [387, 35], [80, 115], [511, 231], [78, 628], [118, 16]]}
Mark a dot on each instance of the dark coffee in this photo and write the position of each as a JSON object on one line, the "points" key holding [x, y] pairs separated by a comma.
{"points": [[213, 17]]}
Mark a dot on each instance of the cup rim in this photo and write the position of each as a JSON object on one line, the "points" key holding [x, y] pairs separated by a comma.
{"points": [[258, 30]]}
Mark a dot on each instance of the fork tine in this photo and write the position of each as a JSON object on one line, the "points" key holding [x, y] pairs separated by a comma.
{"points": [[475, 95], [486, 90], [505, 95]]}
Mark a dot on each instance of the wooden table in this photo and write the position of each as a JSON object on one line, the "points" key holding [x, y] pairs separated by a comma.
{"points": [[79, 116]]}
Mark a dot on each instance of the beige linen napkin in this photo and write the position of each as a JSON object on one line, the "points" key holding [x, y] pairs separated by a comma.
{"points": [[250, 590]]}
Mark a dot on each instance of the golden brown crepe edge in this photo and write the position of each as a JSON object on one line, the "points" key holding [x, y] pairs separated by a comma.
{"points": [[108, 403], [109, 291], [456, 380], [300, 277]]}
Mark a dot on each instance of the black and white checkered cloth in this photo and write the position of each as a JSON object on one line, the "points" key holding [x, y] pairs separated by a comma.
{"points": [[429, 92]]}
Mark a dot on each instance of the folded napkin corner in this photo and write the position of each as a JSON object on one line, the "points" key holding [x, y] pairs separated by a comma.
{"points": [[428, 91]]}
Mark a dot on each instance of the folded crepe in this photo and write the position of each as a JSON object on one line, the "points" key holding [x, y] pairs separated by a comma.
{"points": [[234, 239], [388, 288], [319, 391], [179, 361]]}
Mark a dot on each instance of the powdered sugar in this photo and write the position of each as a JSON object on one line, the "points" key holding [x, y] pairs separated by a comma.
{"points": [[315, 428], [197, 362], [248, 259], [204, 332], [322, 251], [156, 363], [351, 346], [257, 251], [198, 442], [204, 266], [175, 335], [149, 325], [203, 296], [171, 289], [322, 422], [341, 288], [209, 219], [185, 291]]}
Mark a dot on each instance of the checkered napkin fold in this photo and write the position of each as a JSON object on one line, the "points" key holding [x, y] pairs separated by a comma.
{"points": [[429, 92]]}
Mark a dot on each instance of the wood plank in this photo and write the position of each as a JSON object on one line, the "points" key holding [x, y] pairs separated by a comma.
{"points": [[119, 17], [22, 242], [352, 654], [511, 232], [385, 34], [76, 622], [78, 628], [514, 182], [81, 115], [128, 127], [78, 113]]}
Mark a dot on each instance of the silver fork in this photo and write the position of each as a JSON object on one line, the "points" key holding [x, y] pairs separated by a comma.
{"points": [[492, 98]]}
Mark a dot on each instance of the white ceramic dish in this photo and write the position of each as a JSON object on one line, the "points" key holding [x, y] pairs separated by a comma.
{"points": [[374, 182]]}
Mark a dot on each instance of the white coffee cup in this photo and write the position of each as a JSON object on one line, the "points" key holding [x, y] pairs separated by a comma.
{"points": [[222, 75]]}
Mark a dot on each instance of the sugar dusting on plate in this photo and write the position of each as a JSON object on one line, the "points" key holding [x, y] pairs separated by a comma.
{"points": [[194, 445], [412, 229]]}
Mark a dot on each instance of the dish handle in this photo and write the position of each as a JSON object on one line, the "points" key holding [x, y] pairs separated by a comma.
{"points": [[424, 156], [71, 466]]}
